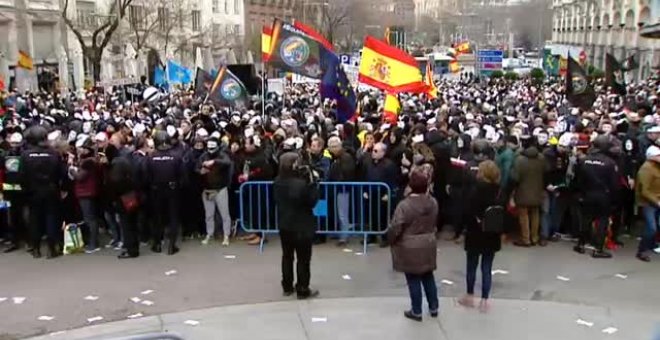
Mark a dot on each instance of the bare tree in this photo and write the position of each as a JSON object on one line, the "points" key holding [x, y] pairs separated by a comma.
{"points": [[335, 16], [100, 33], [159, 22]]}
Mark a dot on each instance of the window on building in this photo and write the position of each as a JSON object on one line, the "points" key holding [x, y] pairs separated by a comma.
{"points": [[163, 18], [196, 20], [226, 6], [237, 7], [136, 16], [215, 6], [218, 33], [237, 29]]}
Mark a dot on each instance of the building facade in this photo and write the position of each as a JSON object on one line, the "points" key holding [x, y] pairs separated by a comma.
{"points": [[609, 26]]}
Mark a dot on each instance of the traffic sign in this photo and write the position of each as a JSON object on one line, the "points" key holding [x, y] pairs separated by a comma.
{"points": [[490, 60]]}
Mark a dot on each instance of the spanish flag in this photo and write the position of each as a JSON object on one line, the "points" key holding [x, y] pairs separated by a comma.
{"points": [[391, 108], [24, 60], [388, 68], [432, 90], [463, 48], [266, 33], [453, 66]]}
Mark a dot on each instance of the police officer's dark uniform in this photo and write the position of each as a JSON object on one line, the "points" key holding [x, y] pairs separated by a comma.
{"points": [[41, 175], [166, 175], [10, 162], [596, 180]]}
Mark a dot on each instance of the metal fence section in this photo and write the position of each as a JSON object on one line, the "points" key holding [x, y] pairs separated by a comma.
{"points": [[344, 209]]}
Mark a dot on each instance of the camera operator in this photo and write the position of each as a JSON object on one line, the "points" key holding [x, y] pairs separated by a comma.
{"points": [[295, 196]]}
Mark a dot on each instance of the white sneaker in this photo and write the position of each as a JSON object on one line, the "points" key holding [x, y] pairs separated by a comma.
{"points": [[206, 240], [92, 251], [225, 241], [656, 250], [119, 246]]}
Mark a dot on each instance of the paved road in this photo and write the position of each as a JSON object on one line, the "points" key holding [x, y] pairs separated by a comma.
{"points": [[209, 277]]}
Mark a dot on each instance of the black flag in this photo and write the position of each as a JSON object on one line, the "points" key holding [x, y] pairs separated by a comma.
{"points": [[203, 82], [228, 90], [578, 90], [614, 75]]}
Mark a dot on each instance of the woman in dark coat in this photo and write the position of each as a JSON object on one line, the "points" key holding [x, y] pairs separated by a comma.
{"points": [[412, 237], [480, 244]]}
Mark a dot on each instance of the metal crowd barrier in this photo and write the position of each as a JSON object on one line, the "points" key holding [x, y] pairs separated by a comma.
{"points": [[344, 209]]}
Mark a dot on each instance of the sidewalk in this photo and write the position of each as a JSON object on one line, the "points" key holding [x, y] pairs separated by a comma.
{"points": [[382, 318]]}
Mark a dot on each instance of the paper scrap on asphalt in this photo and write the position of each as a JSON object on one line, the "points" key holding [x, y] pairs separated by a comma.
{"points": [[46, 318], [500, 271], [584, 323], [135, 299], [170, 272], [191, 322], [3, 299], [359, 253], [230, 257], [94, 319], [147, 292], [347, 250], [610, 330], [621, 276], [56, 333], [91, 298], [135, 316], [147, 303], [18, 300], [319, 319], [447, 282], [563, 278], [346, 277], [590, 247]]}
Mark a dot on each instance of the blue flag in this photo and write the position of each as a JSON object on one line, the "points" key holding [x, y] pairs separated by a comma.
{"points": [[178, 74], [159, 76], [335, 86]]}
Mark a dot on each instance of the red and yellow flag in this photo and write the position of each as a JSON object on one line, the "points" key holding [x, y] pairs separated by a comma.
{"points": [[314, 34], [24, 60], [463, 48], [391, 108], [453, 66], [266, 34], [432, 91], [388, 68]]}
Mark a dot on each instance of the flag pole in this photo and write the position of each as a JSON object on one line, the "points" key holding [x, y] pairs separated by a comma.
{"points": [[263, 91]]}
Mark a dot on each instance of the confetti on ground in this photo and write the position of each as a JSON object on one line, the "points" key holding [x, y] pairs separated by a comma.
{"points": [[318, 319], [621, 276], [3, 299], [447, 282], [46, 318], [584, 323], [359, 253], [230, 257], [91, 298], [18, 300], [147, 292], [590, 247], [170, 272], [56, 333], [94, 319], [610, 330], [500, 271], [563, 278], [346, 277], [191, 322], [135, 316], [346, 250], [147, 303]]}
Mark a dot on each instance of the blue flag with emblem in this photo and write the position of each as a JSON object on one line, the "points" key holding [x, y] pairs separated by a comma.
{"points": [[178, 74], [159, 76], [336, 87]]}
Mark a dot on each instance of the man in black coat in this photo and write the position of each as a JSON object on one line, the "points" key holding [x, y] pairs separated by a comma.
{"points": [[295, 199]]}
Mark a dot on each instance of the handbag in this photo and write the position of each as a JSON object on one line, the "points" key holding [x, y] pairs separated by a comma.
{"points": [[130, 201]]}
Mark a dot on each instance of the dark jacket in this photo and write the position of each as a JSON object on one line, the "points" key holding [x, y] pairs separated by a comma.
{"points": [[41, 172], [504, 161], [556, 167], [596, 180], [412, 235], [342, 168], [219, 175], [122, 176], [165, 169], [384, 171], [483, 196], [295, 200], [527, 174]]}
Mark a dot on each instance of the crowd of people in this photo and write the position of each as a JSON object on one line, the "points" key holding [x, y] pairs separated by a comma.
{"points": [[169, 166]]}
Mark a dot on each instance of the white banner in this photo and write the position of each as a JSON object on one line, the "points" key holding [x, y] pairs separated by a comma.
{"points": [[276, 86], [298, 79]]}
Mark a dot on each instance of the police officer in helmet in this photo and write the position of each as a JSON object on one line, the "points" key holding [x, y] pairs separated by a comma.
{"points": [[165, 173], [41, 175]]}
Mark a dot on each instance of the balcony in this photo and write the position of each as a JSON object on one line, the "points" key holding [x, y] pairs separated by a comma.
{"points": [[43, 5]]}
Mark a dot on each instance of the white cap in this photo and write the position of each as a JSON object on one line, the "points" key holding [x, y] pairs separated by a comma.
{"points": [[101, 137], [16, 138], [652, 151], [565, 139], [654, 129], [55, 135], [202, 133]]}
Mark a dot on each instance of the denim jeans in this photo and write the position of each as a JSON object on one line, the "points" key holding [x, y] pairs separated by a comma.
{"points": [[88, 210], [557, 207], [110, 217], [486, 272], [415, 283], [651, 222], [343, 200]]}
